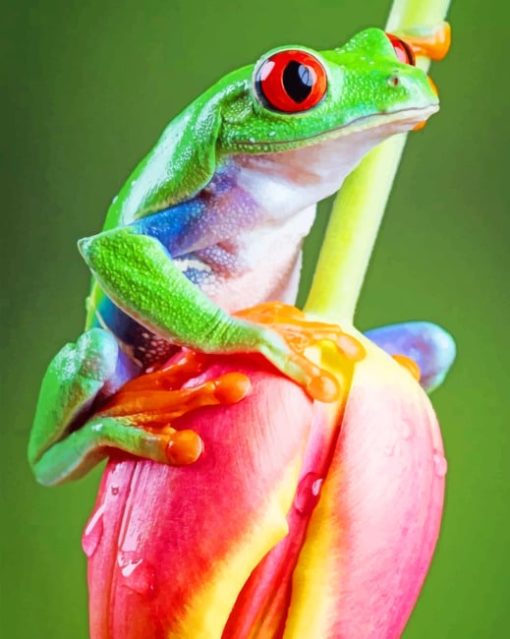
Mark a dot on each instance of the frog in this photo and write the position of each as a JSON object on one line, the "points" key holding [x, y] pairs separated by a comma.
{"points": [[213, 220]]}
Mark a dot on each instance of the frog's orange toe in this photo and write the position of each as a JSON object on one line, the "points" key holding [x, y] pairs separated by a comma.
{"points": [[301, 333], [231, 388], [433, 44], [184, 447]]}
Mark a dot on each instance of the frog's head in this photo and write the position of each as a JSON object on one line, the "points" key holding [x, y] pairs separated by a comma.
{"points": [[295, 97], [301, 120], [305, 116]]}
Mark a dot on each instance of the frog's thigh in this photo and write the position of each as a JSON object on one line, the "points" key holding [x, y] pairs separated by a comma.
{"points": [[429, 345], [73, 379]]}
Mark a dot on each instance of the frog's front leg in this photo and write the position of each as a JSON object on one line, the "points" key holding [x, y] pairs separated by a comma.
{"points": [[137, 272]]}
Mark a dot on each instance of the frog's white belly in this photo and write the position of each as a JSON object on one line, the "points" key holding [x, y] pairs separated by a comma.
{"points": [[267, 264], [248, 241]]}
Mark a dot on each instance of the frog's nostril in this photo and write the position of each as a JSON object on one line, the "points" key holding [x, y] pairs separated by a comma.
{"points": [[394, 81]]}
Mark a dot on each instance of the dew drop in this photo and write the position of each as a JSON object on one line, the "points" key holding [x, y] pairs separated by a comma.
{"points": [[138, 575], [407, 430], [93, 532], [128, 561], [308, 493], [114, 490], [440, 463]]}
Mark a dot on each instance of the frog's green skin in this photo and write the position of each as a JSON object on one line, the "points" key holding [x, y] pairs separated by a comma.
{"points": [[210, 221]]}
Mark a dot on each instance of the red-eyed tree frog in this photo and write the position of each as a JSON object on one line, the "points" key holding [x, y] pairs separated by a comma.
{"points": [[212, 220]]}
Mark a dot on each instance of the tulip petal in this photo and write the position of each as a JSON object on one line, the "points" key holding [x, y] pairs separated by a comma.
{"points": [[373, 532]]}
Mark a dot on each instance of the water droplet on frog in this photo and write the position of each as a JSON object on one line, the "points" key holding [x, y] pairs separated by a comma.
{"points": [[93, 532], [440, 463], [138, 575], [308, 493]]}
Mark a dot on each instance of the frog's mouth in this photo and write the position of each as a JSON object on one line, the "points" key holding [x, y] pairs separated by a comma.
{"points": [[382, 124], [287, 177]]}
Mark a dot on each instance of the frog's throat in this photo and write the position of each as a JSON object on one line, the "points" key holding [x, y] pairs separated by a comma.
{"points": [[396, 122]]}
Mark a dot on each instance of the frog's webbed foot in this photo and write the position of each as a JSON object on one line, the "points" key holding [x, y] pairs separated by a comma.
{"points": [[427, 344], [155, 400], [431, 42], [138, 419], [291, 334]]}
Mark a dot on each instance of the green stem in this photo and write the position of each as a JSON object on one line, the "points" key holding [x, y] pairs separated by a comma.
{"points": [[359, 206]]}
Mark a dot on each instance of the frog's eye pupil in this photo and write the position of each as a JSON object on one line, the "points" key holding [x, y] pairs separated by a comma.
{"points": [[298, 80], [290, 81], [403, 51]]}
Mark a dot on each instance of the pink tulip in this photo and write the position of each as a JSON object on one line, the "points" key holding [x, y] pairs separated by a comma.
{"points": [[301, 520]]}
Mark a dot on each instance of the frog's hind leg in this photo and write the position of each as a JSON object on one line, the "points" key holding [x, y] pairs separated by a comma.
{"points": [[73, 456], [73, 380], [137, 419], [427, 344]]}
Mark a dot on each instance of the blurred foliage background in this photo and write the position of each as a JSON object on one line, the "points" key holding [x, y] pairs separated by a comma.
{"points": [[86, 89]]}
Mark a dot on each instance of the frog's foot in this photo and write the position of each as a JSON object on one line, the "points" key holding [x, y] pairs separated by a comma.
{"points": [[154, 401], [292, 333], [431, 42], [148, 404], [76, 454], [139, 419], [425, 349]]}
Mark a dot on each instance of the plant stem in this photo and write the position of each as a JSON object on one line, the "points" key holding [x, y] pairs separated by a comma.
{"points": [[359, 206]]}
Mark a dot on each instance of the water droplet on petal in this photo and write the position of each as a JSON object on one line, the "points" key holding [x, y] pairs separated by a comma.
{"points": [[440, 463], [407, 430], [93, 532], [114, 490], [128, 560], [308, 493], [138, 575]]}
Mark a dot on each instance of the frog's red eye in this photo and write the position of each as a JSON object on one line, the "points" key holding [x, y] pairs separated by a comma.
{"points": [[291, 81], [403, 50]]}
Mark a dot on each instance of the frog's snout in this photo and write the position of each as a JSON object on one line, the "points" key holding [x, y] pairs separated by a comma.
{"points": [[417, 85]]}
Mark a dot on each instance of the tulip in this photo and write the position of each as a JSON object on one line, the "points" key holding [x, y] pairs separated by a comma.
{"points": [[300, 519]]}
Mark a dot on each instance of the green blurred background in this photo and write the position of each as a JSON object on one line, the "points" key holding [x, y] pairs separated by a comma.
{"points": [[87, 88]]}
